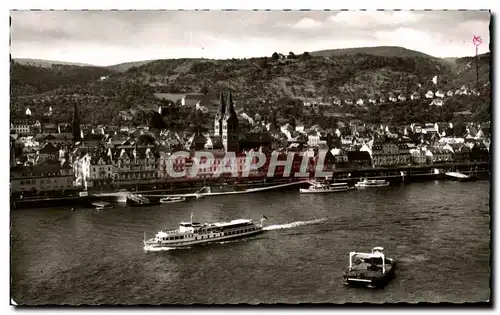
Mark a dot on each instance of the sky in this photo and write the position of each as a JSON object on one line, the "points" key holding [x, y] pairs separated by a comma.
{"points": [[112, 37]]}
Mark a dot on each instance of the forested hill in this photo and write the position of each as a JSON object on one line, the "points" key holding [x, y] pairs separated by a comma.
{"points": [[270, 80], [27, 79]]}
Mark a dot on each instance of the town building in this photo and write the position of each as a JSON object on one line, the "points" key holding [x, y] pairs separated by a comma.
{"points": [[390, 153], [41, 178]]}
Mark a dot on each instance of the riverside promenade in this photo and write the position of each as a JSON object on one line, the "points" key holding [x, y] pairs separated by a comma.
{"points": [[192, 185]]}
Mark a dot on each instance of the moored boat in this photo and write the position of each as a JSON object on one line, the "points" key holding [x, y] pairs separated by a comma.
{"points": [[461, 177], [99, 205], [172, 199], [193, 233], [316, 188], [369, 269], [368, 183], [139, 200]]}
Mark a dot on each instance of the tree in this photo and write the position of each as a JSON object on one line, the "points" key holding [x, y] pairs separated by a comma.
{"points": [[157, 121], [291, 55], [306, 56], [204, 90], [275, 56], [262, 62]]}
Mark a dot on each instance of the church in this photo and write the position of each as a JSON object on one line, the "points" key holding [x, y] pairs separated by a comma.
{"points": [[226, 124]]}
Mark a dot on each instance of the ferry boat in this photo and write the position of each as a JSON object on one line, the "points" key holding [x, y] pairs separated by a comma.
{"points": [[193, 233], [369, 269], [316, 188], [368, 183], [172, 199]]}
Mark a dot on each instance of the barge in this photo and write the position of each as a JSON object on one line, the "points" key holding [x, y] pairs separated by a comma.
{"points": [[369, 269]]}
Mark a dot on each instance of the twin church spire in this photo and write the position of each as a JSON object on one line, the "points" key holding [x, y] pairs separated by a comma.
{"points": [[226, 123], [226, 110]]}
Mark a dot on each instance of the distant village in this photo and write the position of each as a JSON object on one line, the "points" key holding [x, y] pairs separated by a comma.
{"points": [[53, 159]]}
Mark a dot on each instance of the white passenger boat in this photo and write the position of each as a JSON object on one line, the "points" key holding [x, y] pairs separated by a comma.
{"points": [[317, 188], [172, 199], [193, 233], [368, 183]]}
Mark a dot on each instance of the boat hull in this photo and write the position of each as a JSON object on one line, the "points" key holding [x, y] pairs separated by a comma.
{"points": [[357, 185], [150, 245], [133, 203], [369, 279], [318, 191], [172, 201]]}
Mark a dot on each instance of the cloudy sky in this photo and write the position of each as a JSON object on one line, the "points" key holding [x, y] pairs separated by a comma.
{"points": [[111, 37]]}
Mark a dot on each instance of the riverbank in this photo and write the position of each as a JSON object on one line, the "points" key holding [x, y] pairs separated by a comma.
{"points": [[394, 175]]}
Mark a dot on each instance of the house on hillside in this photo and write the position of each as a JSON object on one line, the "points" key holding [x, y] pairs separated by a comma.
{"points": [[429, 94], [436, 102], [401, 97], [172, 97], [439, 94], [359, 102], [415, 96], [449, 93], [372, 100]]}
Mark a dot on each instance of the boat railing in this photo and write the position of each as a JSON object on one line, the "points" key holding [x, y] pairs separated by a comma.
{"points": [[170, 231]]}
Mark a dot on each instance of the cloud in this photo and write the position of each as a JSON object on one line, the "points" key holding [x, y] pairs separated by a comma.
{"points": [[307, 23], [370, 19], [109, 37]]}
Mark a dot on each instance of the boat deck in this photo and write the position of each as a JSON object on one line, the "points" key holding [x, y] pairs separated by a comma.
{"points": [[362, 269]]}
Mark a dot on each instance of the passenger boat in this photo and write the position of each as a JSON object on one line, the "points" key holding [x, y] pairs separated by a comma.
{"points": [[139, 200], [193, 233], [172, 199], [316, 188], [368, 183], [369, 269]]}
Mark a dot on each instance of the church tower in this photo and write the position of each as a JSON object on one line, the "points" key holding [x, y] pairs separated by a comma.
{"points": [[76, 125], [230, 128], [219, 117]]}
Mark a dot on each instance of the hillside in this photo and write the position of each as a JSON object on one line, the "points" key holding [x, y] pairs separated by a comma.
{"points": [[383, 51], [258, 85], [122, 67], [28, 79], [48, 63]]}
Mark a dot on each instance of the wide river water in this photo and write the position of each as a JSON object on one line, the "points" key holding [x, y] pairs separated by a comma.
{"points": [[439, 232]]}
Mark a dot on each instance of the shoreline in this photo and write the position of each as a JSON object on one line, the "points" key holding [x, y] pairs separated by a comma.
{"points": [[411, 174]]}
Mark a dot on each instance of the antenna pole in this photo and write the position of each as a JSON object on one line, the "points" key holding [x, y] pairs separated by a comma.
{"points": [[477, 68]]}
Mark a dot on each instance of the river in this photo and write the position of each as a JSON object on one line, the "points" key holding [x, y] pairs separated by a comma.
{"points": [[437, 231]]}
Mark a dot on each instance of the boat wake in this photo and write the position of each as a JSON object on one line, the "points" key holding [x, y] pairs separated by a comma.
{"points": [[413, 259], [292, 224]]}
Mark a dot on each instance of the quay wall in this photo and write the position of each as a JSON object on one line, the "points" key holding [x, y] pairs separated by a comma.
{"points": [[393, 174]]}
